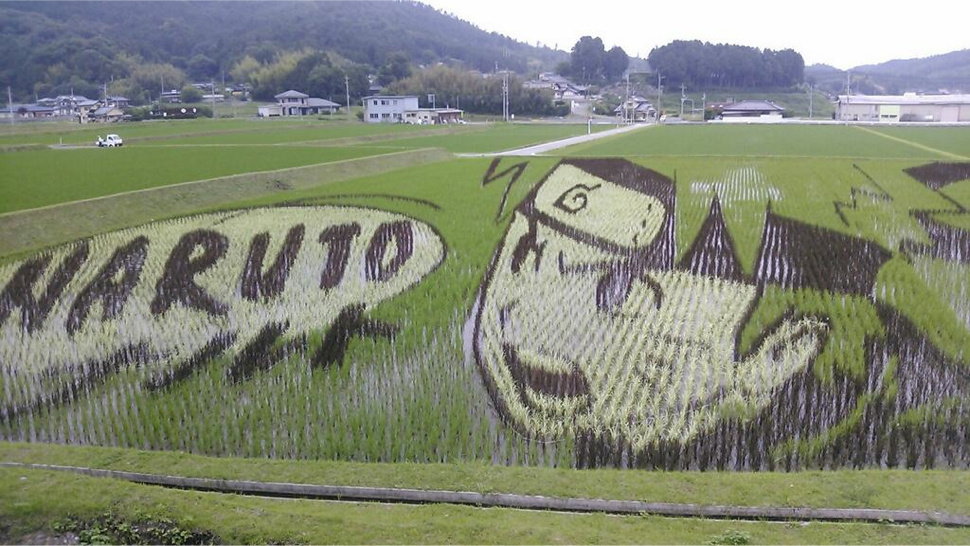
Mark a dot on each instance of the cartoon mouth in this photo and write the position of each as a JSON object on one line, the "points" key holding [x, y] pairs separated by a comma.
{"points": [[556, 384]]}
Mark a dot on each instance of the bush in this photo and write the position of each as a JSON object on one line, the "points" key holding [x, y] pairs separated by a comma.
{"points": [[191, 94], [112, 529], [140, 113], [732, 538]]}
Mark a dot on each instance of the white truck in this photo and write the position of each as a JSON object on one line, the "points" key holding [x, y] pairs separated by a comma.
{"points": [[110, 141]]}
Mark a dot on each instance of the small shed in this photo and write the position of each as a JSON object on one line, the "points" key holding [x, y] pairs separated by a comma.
{"points": [[270, 111]]}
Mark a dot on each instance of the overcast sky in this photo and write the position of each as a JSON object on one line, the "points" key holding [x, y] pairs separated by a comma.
{"points": [[843, 34]]}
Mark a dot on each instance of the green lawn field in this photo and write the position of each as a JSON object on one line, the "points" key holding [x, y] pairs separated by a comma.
{"points": [[72, 133], [37, 178], [756, 141], [790, 302]]}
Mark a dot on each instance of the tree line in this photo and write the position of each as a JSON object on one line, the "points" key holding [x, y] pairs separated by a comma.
{"points": [[48, 48], [702, 64], [477, 93], [590, 62]]}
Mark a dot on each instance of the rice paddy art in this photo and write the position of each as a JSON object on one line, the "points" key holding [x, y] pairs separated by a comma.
{"points": [[586, 326], [160, 300], [582, 313]]}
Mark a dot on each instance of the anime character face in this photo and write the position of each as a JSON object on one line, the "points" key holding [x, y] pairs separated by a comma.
{"points": [[585, 326]]}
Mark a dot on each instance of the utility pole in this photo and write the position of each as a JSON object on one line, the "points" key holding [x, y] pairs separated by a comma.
{"points": [[10, 105], [811, 97], [628, 102], [683, 97], [659, 94], [347, 85], [505, 95], [212, 89]]}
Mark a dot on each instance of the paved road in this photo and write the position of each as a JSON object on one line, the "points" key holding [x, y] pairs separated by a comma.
{"points": [[549, 146]]}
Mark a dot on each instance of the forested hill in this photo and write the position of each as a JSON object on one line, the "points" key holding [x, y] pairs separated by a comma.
{"points": [[48, 47], [947, 70], [950, 71]]}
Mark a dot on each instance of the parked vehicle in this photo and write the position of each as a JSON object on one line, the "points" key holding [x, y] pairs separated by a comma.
{"points": [[110, 141]]}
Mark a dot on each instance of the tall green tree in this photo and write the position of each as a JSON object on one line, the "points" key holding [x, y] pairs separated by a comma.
{"points": [[586, 59], [615, 62], [474, 93], [397, 66]]}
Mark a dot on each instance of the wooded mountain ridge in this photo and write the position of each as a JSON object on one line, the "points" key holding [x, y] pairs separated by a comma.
{"points": [[50, 47], [948, 71]]}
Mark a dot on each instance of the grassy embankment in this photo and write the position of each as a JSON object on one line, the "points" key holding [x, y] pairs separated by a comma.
{"points": [[28, 503]]}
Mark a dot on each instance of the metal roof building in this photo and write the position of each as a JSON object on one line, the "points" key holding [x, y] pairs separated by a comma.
{"points": [[752, 108], [907, 107]]}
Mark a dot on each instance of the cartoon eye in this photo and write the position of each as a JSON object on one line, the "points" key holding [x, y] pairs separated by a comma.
{"points": [[575, 198]]}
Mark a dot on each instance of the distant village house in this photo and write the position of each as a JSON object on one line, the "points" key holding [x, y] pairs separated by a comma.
{"points": [[635, 109], [405, 109], [295, 103]]}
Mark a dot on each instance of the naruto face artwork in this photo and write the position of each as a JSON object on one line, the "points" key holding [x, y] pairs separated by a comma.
{"points": [[586, 324]]}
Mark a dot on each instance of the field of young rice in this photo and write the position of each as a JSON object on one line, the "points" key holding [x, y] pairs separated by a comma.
{"points": [[657, 311]]}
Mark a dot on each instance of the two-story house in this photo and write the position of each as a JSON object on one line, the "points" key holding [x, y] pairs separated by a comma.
{"points": [[388, 108], [294, 103]]}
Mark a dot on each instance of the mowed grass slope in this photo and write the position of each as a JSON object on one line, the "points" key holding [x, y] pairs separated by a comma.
{"points": [[32, 501], [755, 141]]}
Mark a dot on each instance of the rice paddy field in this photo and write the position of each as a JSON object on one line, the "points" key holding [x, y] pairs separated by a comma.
{"points": [[696, 299]]}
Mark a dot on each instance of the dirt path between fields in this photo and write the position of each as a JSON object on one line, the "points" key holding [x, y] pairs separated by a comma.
{"points": [[538, 149]]}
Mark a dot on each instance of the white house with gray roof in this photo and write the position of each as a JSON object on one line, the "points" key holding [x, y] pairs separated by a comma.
{"points": [[295, 103]]}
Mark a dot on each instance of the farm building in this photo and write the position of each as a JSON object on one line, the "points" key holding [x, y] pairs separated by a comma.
{"points": [[294, 103], [433, 116], [120, 102], [907, 107], [106, 114], [636, 109], [388, 108], [563, 88], [405, 109], [748, 111], [27, 111], [68, 105], [172, 97]]}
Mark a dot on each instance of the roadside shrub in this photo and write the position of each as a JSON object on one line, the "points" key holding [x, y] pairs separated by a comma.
{"points": [[111, 529], [731, 537]]}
